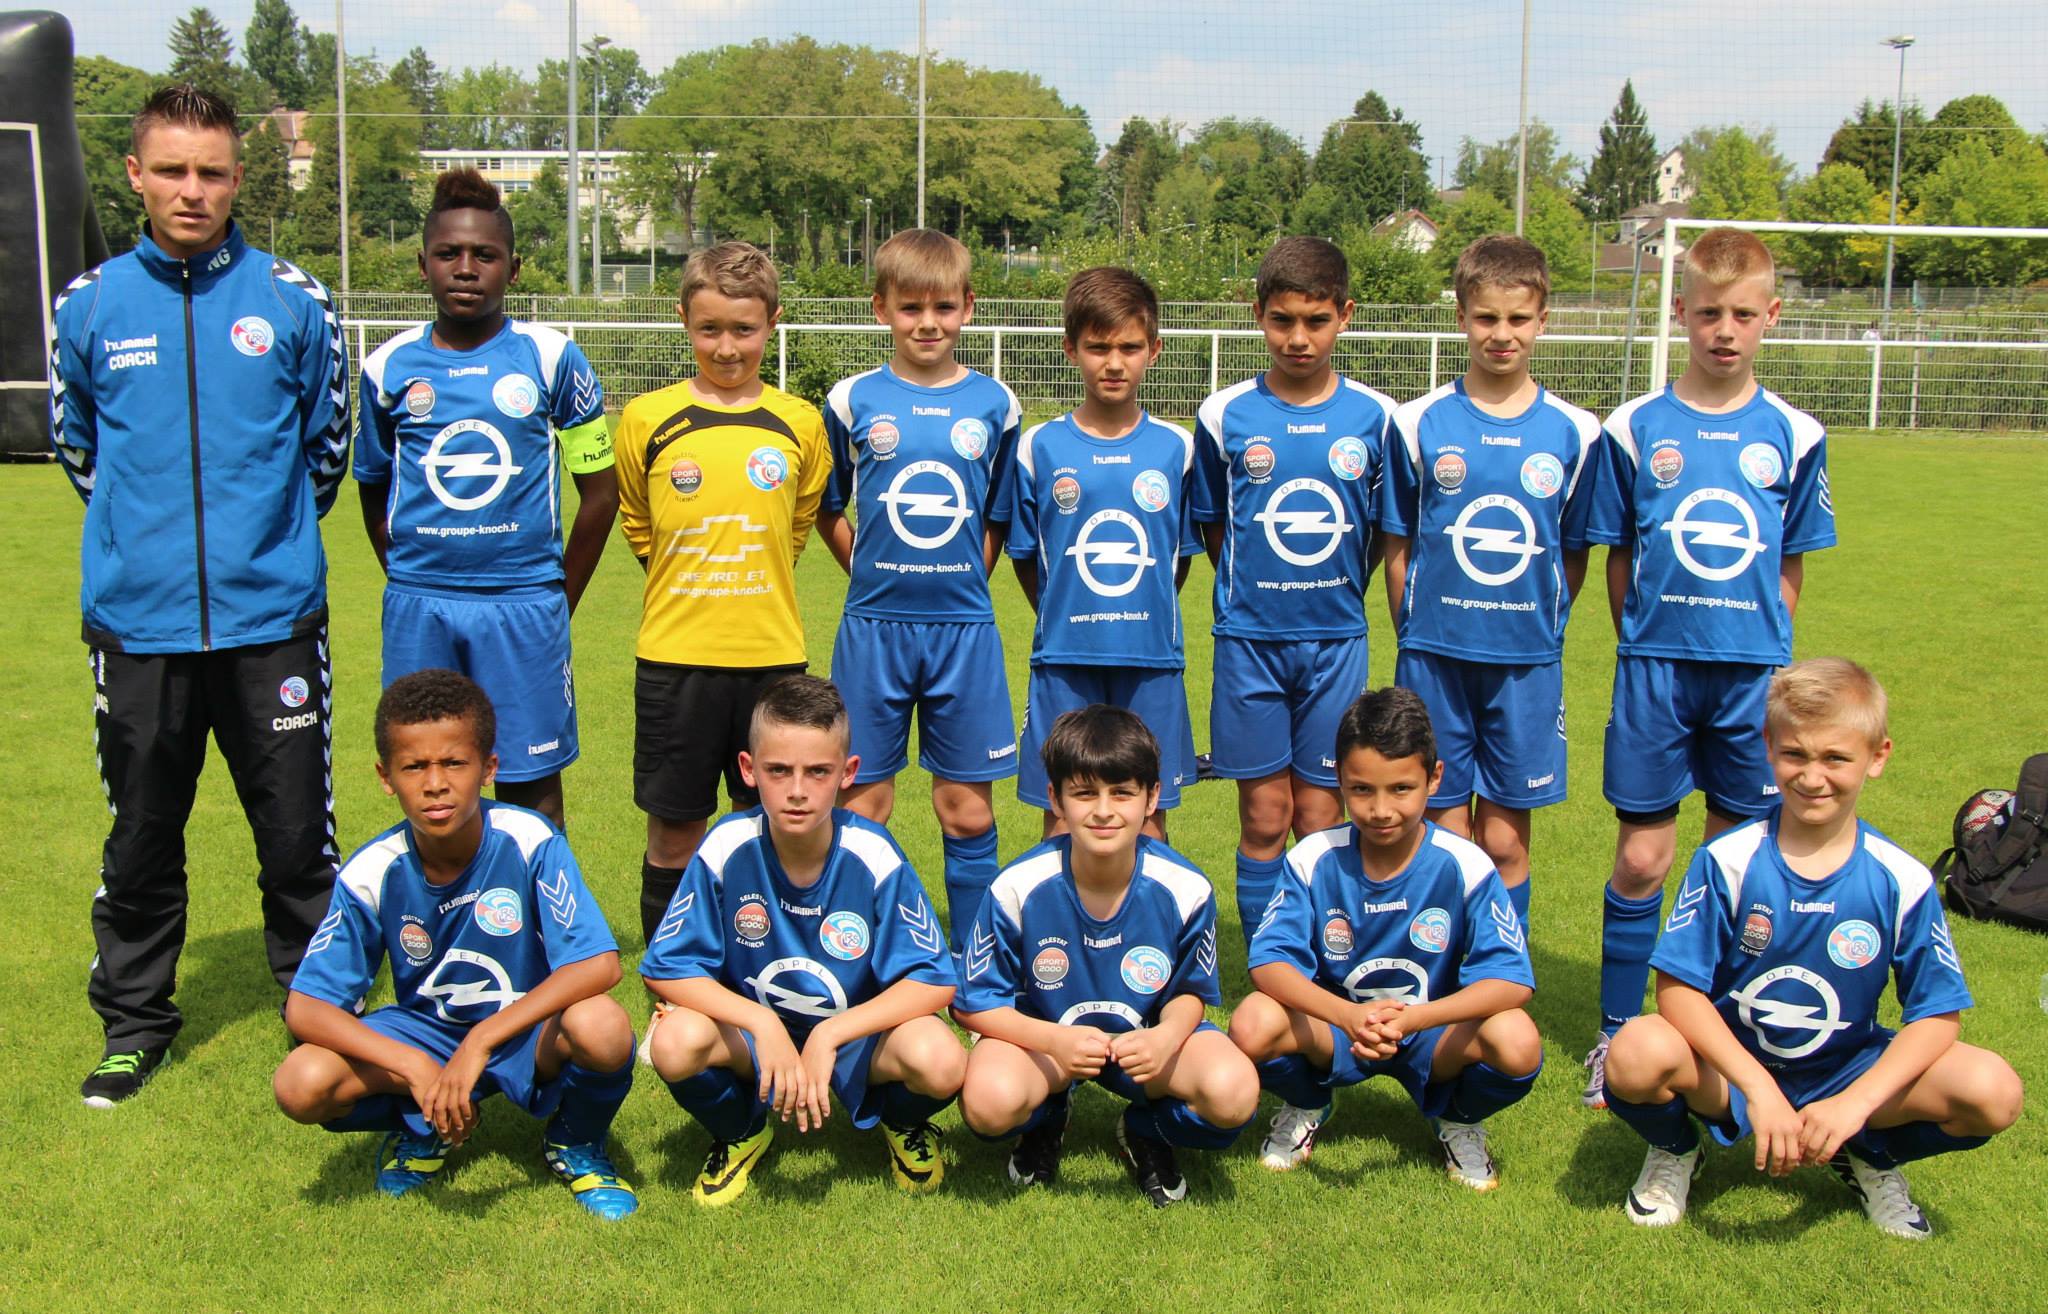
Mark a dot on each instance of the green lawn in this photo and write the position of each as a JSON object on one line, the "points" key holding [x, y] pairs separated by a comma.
{"points": [[200, 1195]]}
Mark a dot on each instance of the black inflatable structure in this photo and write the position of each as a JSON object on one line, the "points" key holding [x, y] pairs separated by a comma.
{"points": [[49, 233]]}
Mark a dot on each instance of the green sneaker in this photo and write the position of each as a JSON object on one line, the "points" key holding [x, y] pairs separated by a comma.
{"points": [[121, 1076]]}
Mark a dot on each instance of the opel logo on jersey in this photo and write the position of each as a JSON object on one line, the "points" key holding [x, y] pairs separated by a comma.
{"points": [[944, 508], [462, 467], [1317, 521], [1093, 551], [1513, 542], [812, 991], [1807, 1007], [1398, 979], [1115, 1008], [493, 990], [1689, 534]]}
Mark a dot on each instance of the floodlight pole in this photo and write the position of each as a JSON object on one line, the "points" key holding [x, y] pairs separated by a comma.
{"points": [[341, 133], [1898, 43], [597, 45], [920, 112], [575, 181], [1522, 133]]}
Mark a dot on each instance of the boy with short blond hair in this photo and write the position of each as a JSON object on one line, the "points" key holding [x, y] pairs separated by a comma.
{"points": [[1286, 467], [921, 454], [1770, 972], [1100, 535], [720, 478], [1092, 959], [802, 962], [1390, 949], [1708, 493], [1483, 513]]}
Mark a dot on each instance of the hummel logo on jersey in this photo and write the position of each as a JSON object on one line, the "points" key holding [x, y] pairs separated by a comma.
{"points": [[980, 950], [1308, 428], [942, 505], [1944, 943], [1507, 925], [1319, 528], [448, 471], [323, 935], [583, 390], [1686, 907], [1091, 555], [1272, 907], [1688, 533], [1826, 906], [923, 927], [1516, 542], [943, 411], [559, 897], [1205, 952], [678, 913]]}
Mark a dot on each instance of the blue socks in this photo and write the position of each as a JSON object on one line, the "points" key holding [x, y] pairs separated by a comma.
{"points": [[1518, 895], [1256, 881], [1628, 934], [1667, 1126], [721, 1103], [371, 1113], [1172, 1121], [1293, 1078], [1888, 1147], [970, 870], [1481, 1091], [590, 1100], [903, 1107]]}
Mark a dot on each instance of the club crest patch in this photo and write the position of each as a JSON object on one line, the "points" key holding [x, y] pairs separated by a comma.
{"points": [[844, 935], [294, 692], [516, 395], [1151, 491], [499, 912], [1146, 969], [1854, 944], [252, 335], [1348, 458], [970, 438], [1542, 475], [1761, 464], [1431, 930], [767, 467]]}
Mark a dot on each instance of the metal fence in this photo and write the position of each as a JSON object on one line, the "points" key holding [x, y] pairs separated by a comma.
{"points": [[1922, 382]]}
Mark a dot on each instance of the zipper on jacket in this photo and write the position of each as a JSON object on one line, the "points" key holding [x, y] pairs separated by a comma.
{"points": [[198, 498]]}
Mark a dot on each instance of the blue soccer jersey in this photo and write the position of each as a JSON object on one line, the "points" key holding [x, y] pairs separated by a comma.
{"points": [[806, 951], [1796, 966], [1293, 488], [1489, 507], [923, 469], [1710, 505], [1443, 923], [1034, 948], [463, 951], [465, 440], [1107, 520]]}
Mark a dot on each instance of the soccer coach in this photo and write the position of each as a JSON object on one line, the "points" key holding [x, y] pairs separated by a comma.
{"points": [[198, 402]]}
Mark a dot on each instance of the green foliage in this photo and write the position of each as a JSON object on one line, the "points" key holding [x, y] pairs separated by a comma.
{"points": [[1559, 229], [491, 107], [540, 224], [1982, 186], [271, 46], [1259, 172], [203, 54], [1389, 272], [1492, 168], [1473, 217], [672, 143], [1366, 168], [1000, 148], [1838, 194], [1865, 140], [264, 205], [416, 78], [1623, 173], [105, 95], [1735, 175], [1132, 169]]}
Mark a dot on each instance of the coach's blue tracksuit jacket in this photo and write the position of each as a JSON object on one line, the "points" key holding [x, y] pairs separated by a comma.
{"points": [[201, 408]]}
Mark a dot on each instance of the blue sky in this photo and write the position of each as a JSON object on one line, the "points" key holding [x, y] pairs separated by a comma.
{"points": [[1453, 68]]}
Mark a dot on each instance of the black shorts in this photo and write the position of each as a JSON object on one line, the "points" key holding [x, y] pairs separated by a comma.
{"points": [[689, 725]]}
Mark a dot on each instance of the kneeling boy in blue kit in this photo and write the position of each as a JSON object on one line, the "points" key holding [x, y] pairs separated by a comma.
{"points": [[500, 960], [1092, 958], [1390, 949], [802, 961], [1769, 974]]}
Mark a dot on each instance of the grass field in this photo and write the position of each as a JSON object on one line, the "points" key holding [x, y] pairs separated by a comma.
{"points": [[200, 1195]]}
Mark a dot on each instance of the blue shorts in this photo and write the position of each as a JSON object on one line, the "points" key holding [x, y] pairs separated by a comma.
{"points": [[1158, 697], [509, 1073], [849, 1077], [515, 644], [952, 674], [1276, 703], [1410, 1066], [1681, 725], [1802, 1091], [1499, 729]]}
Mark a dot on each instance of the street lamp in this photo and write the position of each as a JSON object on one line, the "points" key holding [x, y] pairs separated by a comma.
{"points": [[867, 232], [596, 47], [1898, 43]]}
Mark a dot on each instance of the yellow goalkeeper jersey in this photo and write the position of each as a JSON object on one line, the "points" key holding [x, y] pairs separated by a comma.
{"points": [[717, 501]]}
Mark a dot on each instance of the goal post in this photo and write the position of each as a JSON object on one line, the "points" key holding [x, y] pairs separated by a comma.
{"points": [[1666, 284]]}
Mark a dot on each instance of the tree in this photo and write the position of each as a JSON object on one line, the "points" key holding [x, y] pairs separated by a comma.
{"points": [[273, 51], [1474, 216], [539, 226], [383, 156], [1623, 173], [1838, 194], [1493, 168], [1388, 272], [105, 95], [1002, 147], [1559, 229], [1260, 172], [672, 143], [1865, 140], [420, 82], [1132, 169], [1365, 169], [489, 108], [203, 54], [264, 205], [1982, 187], [1735, 175], [317, 64]]}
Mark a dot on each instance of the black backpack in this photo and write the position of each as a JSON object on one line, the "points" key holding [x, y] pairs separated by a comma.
{"points": [[1997, 869]]}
